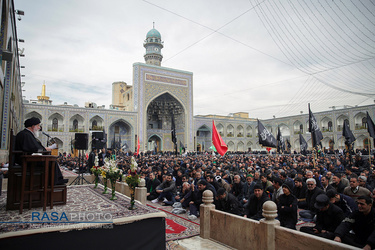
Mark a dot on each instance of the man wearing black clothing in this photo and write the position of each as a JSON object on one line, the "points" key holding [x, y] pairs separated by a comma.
{"points": [[248, 188], [337, 183], [299, 191], [346, 203], [317, 178], [328, 218], [311, 194], [253, 208], [196, 198], [362, 222], [287, 207], [227, 202], [102, 155], [325, 184], [237, 188], [178, 178], [26, 141], [211, 180], [91, 160]]}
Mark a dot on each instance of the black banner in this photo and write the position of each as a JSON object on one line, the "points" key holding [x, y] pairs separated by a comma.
{"points": [[302, 143], [370, 126], [349, 137], [316, 134], [280, 141], [173, 133], [266, 139]]}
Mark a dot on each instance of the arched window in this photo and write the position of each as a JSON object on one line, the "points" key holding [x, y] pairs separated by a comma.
{"points": [[94, 124], [55, 124], [364, 122], [330, 126], [75, 124]]}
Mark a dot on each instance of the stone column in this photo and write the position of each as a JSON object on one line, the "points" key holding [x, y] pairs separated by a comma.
{"points": [[141, 192], [267, 225], [205, 208]]}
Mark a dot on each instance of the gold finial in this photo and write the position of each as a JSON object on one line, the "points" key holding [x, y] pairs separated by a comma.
{"points": [[44, 89], [42, 98], [153, 25]]}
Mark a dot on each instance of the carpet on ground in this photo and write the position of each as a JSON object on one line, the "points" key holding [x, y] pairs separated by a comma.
{"points": [[86, 198], [178, 227]]}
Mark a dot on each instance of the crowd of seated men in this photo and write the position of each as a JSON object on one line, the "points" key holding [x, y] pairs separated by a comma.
{"points": [[328, 192]]}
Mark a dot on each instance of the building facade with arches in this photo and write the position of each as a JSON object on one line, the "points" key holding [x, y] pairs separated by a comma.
{"points": [[62, 122], [144, 111], [241, 133]]}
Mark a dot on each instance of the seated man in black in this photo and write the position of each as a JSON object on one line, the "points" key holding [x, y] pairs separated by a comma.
{"points": [[27, 141], [329, 217], [227, 202], [299, 191], [362, 222], [254, 206], [346, 203]]}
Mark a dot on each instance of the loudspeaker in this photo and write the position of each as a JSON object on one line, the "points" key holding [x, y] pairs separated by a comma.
{"points": [[82, 141], [97, 135], [97, 140]]}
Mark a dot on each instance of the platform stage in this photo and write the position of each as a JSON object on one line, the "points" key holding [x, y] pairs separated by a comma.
{"points": [[88, 220]]}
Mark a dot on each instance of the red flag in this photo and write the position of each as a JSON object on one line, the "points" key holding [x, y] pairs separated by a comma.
{"points": [[138, 146], [218, 142]]}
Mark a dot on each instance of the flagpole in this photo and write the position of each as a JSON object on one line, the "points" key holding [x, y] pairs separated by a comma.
{"points": [[314, 155], [369, 151]]}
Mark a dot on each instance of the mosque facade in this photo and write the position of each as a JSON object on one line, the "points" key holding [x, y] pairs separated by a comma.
{"points": [[144, 112]]}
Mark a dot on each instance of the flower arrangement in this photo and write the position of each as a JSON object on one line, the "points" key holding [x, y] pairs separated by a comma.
{"points": [[112, 173], [96, 170], [110, 169], [132, 180]]}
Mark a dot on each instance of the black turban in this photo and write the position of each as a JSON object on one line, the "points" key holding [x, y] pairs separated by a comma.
{"points": [[31, 121]]}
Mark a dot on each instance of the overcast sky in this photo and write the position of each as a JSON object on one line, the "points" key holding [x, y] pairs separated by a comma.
{"points": [[263, 57]]}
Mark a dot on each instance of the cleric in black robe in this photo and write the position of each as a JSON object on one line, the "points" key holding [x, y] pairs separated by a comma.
{"points": [[27, 141]]}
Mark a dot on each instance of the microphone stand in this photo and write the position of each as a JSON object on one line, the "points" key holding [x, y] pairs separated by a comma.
{"points": [[48, 138]]}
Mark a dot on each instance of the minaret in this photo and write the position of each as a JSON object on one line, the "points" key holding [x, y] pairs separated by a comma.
{"points": [[153, 45], [44, 89], [43, 99]]}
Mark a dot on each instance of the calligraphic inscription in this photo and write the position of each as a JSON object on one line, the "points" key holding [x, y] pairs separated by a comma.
{"points": [[314, 124], [265, 134], [165, 79]]}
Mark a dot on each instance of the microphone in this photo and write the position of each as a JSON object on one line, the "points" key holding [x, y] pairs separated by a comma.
{"points": [[44, 133]]}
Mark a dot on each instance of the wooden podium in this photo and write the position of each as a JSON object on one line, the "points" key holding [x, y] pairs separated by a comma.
{"points": [[32, 184], [31, 161]]}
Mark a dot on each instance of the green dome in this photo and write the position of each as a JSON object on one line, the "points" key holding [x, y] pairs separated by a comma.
{"points": [[153, 33]]}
